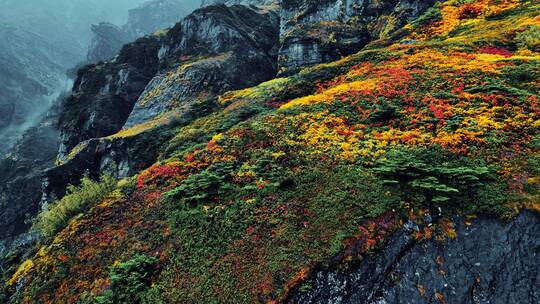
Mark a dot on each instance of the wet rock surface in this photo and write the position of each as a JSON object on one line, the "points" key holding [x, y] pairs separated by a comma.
{"points": [[489, 262]]}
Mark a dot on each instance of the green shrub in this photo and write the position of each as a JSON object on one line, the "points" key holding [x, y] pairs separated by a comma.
{"points": [[529, 38], [77, 199], [428, 178], [431, 15], [129, 281], [197, 189]]}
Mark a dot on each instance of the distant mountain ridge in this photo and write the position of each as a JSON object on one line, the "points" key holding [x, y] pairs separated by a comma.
{"points": [[145, 19]]}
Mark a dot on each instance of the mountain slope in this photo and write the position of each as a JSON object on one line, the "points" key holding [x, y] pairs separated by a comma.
{"points": [[314, 172]]}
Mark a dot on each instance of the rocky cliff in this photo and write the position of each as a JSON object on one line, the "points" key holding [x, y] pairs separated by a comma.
{"points": [[103, 95], [21, 176], [206, 54], [486, 261], [321, 31]]}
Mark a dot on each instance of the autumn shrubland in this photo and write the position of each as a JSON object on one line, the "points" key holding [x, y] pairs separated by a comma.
{"points": [[316, 169]]}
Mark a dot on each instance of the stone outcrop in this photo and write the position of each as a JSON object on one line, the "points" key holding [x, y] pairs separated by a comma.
{"points": [[104, 94], [313, 32], [21, 174], [488, 262], [222, 49]]}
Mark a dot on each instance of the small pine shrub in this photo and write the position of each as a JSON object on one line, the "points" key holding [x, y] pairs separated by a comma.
{"points": [[529, 39], [129, 281], [197, 189], [77, 200], [428, 178]]}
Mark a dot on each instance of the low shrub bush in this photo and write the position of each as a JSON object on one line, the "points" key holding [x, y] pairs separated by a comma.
{"points": [[77, 199]]}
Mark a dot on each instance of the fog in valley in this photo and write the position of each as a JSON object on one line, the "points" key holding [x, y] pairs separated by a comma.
{"points": [[41, 40]]}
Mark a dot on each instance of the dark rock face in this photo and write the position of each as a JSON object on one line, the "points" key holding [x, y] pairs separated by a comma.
{"points": [[104, 94], [21, 173], [489, 262], [313, 32], [119, 156]]}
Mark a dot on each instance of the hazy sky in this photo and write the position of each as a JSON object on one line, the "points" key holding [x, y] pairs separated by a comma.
{"points": [[20, 11], [66, 22]]}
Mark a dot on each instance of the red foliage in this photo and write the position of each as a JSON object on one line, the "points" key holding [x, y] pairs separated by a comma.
{"points": [[369, 236], [470, 10], [438, 112], [156, 172], [496, 51]]}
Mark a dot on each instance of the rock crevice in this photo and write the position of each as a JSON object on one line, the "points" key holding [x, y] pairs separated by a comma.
{"points": [[488, 262]]}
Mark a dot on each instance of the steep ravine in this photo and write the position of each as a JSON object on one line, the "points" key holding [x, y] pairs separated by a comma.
{"points": [[489, 262]]}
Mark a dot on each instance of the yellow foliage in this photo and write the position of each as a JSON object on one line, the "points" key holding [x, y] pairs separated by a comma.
{"points": [[145, 126], [22, 271], [330, 94], [78, 148]]}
